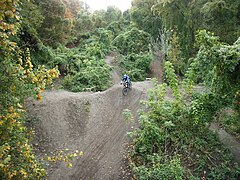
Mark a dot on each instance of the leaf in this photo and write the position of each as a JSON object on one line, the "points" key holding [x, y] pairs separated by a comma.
{"points": [[168, 124]]}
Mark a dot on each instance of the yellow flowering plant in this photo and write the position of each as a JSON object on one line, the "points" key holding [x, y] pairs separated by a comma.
{"points": [[18, 77]]}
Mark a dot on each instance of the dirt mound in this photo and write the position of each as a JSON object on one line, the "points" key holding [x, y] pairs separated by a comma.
{"points": [[90, 122]]}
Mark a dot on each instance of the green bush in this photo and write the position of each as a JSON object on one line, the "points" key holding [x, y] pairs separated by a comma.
{"points": [[174, 140], [217, 65], [84, 66], [137, 66], [42, 55], [103, 36], [95, 76], [19, 79], [132, 41], [115, 27], [160, 168]]}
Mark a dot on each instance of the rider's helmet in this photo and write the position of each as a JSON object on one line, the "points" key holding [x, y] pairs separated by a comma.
{"points": [[125, 76]]}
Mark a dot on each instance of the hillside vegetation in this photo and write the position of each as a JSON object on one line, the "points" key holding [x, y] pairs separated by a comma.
{"points": [[196, 43]]}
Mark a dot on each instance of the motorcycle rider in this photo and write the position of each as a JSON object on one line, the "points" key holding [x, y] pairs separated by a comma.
{"points": [[126, 79]]}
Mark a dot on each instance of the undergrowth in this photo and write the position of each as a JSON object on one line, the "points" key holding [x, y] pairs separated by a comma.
{"points": [[135, 58], [173, 141], [84, 67], [137, 66], [228, 119]]}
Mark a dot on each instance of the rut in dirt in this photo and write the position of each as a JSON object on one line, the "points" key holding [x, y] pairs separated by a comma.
{"points": [[90, 122]]}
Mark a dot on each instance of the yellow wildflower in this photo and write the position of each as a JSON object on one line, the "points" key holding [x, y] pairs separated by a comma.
{"points": [[39, 97], [81, 153]]}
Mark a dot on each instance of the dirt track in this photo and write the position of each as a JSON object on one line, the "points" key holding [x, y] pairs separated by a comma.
{"points": [[90, 122]]}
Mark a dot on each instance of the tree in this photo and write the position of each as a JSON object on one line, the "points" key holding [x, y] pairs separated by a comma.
{"points": [[142, 15], [222, 18], [18, 80], [31, 21], [99, 18], [55, 28], [112, 14]]}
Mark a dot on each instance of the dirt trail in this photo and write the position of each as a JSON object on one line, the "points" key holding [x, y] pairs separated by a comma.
{"points": [[90, 122], [116, 75]]}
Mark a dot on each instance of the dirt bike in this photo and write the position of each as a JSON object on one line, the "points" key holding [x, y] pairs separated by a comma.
{"points": [[126, 87]]}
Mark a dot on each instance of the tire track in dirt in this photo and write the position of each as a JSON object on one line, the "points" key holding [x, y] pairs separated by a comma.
{"points": [[116, 133]]}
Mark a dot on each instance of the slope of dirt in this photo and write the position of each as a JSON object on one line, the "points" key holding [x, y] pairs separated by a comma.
{"points": [[90, 122], [228, 140], [116, 75]]}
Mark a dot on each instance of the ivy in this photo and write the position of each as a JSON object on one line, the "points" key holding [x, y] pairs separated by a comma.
{"points": [[217, 66], [132, 41], [174, 140], [137, 66], [83, 67]]}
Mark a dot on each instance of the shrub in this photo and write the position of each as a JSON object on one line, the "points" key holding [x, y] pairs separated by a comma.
{"points": [[174, 140], [132, 41], [83, 66], [18, 80], [137, 66], [95, 76]]}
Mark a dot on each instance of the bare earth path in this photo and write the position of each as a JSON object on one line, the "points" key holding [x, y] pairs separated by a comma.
{"points": [[90, 122]]}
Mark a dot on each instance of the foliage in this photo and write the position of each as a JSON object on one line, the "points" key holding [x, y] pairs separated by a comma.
{"points": [[185, 17], [218, 66], [64, 155], [16, 153], [31, 20], [83, 23], [143, 17], [55, 28], [174, 140], [228, 119], [93, 76], [42, 55], [112, 14], [137, 66], [132, 41], [115, 27], [169, 169], [17, 159], [18, 80], [84, 66], [221, 18], [101, 39], [174, 54]]}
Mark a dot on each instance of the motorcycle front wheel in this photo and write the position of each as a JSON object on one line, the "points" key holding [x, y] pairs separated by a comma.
{"points": [[125, 91]]}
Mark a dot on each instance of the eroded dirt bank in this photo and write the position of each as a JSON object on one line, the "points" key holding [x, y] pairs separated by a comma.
{"points": [[90, 122]]}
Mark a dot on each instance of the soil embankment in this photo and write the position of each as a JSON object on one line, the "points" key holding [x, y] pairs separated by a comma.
{"points": [[90, 122]]}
